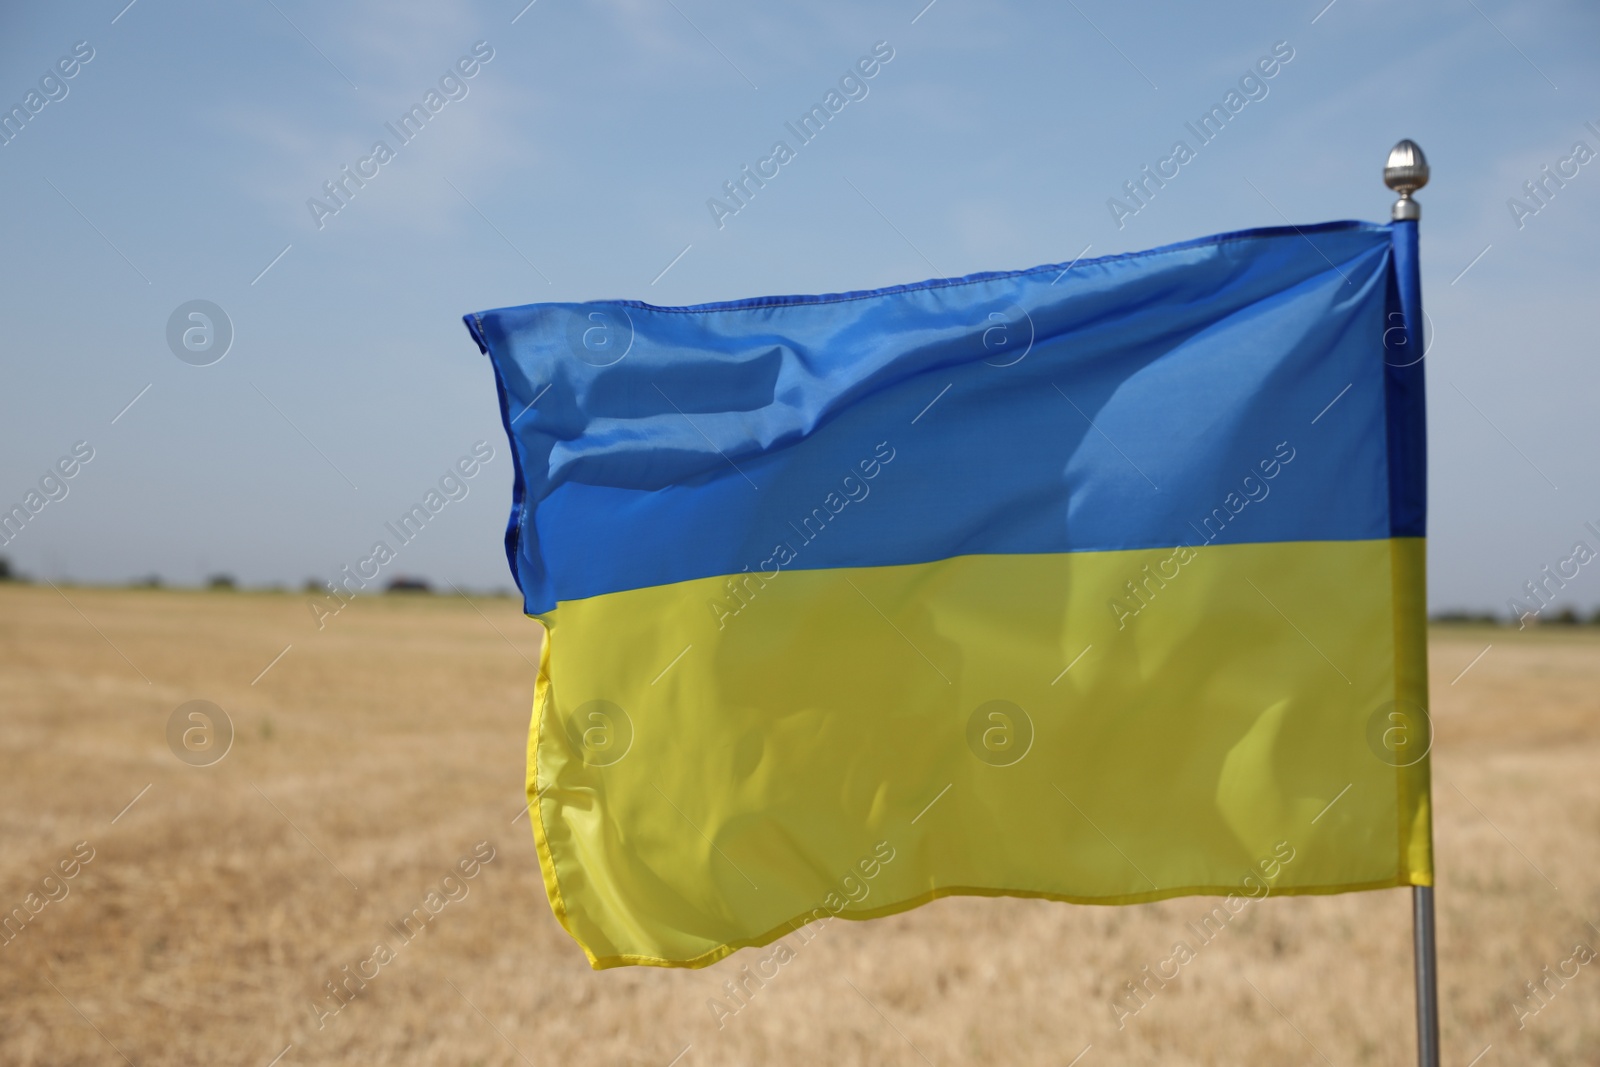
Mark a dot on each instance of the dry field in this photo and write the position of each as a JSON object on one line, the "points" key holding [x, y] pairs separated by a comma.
{"points": [[377, 753]]}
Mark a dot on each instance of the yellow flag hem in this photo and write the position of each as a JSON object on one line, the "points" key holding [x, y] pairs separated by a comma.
{"points": [[602, 963]]}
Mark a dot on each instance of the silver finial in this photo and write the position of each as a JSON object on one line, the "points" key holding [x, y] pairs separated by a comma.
{"points": [[1405, 173]]}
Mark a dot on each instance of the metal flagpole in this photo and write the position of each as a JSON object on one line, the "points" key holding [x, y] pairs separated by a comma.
{"points": [[1427, 979], [1405, 172]]}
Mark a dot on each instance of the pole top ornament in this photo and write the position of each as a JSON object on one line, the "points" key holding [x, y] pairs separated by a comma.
{"points": [[1405, 172]]}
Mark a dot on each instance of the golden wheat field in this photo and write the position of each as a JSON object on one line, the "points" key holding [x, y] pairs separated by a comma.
{"points": [[375, 755]]}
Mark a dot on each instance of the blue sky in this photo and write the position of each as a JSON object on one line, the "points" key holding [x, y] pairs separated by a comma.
{"points": [[576, 163]]}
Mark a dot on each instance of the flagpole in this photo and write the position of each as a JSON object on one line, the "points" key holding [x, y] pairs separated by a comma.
{"points": [[1427, 978], [1405, 172]]}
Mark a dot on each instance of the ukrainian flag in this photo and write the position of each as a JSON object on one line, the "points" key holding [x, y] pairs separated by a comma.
{"points": [[1098, 582]]}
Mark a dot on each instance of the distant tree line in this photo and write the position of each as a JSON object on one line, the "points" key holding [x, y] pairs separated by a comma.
{"points": [[1567, 616]]}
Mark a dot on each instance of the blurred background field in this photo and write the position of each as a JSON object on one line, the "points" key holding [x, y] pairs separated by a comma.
{"points": [[377, 753]]}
